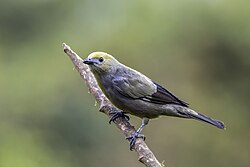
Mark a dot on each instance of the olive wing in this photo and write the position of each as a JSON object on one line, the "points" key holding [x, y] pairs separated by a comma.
{"points": [[144, 89]]}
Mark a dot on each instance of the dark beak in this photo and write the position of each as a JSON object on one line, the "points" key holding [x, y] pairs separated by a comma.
{"points": [[88, 61]]}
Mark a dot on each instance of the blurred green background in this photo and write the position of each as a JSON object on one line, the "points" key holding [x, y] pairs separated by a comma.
{"points": [[197, 49]]}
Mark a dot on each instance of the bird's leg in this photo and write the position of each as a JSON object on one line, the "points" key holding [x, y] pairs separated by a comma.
{"points": [[116, 115], [137, 134]]}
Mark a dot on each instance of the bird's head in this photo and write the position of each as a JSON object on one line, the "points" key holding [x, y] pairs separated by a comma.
{"points": [[101, 62]]}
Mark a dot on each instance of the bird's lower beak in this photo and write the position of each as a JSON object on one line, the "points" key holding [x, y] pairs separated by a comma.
{"points": [[88, 61]]}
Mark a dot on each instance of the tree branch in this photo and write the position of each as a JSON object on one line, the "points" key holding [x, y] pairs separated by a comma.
{"points": [[144, 153]]}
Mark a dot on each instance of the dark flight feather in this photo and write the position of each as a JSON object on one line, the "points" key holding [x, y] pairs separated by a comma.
{"points": [[163, 96]]}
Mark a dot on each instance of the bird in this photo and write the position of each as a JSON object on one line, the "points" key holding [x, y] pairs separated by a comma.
{"points": [[134, 93]]}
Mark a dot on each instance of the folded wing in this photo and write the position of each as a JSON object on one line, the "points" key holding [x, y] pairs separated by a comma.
{"points": [[142, 88]]}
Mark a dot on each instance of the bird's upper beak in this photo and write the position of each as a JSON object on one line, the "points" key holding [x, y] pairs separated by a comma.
{"points": [[89, 61]]}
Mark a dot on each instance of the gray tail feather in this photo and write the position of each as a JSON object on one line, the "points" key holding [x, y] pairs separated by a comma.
{"points": [[204, 118], [188, 113]]}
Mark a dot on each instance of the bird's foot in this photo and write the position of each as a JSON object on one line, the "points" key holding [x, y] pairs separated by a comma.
{"points": [[118, 115], [133, 138]]}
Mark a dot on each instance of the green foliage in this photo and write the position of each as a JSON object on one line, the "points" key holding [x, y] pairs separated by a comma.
{"points": [[197, 49]]}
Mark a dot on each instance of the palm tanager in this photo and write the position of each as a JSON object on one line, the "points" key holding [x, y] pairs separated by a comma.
{"points": [[134, 93]]}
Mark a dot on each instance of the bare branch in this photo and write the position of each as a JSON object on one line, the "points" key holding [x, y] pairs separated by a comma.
{"points": [[144, 153]]}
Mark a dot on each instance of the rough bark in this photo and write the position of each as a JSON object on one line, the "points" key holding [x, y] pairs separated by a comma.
{"points": [[144, 153]]}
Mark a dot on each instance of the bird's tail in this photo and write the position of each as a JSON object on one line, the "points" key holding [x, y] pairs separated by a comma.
{"points": [[204, 118], [188, 113]]}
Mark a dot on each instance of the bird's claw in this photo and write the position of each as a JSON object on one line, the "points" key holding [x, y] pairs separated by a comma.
{"points": [[118, 115], [133, 138]]}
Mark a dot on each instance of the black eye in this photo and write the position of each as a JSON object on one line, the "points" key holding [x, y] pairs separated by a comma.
{"points": [[101, 59]]}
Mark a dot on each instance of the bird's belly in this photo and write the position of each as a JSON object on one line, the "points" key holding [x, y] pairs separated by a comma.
{"points": [[132, 106], [137, 107]]}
